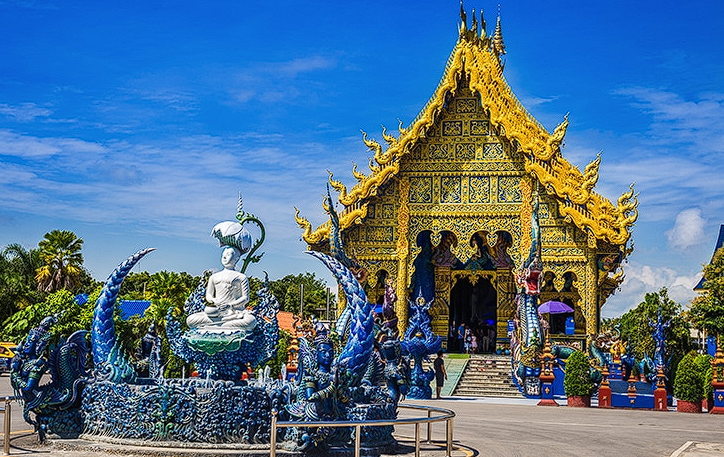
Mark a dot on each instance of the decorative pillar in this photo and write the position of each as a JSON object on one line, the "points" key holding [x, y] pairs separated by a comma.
{"points": [[590, 294], [441, 307], [547, 376], [660, 394], [632, 390], [717, 381], [403, 253], [604, 391]]}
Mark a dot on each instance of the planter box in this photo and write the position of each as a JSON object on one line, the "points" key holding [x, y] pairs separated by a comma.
{"points": [[684, 406], [579, 401]]}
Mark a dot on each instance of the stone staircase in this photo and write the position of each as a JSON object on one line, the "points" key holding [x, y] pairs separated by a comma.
{"points": [[487, 375]]}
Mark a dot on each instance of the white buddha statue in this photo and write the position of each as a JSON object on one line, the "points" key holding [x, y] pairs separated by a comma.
{"points": [[227, 291]]}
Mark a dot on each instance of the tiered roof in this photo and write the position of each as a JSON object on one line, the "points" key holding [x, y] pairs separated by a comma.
{"points": [[476, 60]]}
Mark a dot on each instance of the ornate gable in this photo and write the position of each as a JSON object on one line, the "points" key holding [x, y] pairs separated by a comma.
{"points": [[474, 67]]}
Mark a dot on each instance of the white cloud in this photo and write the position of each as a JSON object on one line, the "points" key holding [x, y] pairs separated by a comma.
{"points": [[696, 124], [25, 112], [271, 82], [22, 146], [688, 229], [643, 279]]}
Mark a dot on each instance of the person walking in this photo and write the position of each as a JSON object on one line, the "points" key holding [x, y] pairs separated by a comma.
{"points": [[440, 373]]}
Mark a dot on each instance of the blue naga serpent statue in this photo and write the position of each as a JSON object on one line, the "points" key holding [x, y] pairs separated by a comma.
{"points": [[419, 343], [109, 360], [329, 384], [56, 405], [526, 340]]}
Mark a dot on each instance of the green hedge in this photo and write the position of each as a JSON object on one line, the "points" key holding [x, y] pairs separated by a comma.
{"points": [[577, 381], [704, 363], [688, 385]]}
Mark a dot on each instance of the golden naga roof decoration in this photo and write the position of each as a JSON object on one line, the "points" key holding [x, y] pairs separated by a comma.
{"points": [[357, 175], [475, 60]]}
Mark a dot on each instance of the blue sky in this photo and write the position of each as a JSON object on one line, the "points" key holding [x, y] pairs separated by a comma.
{"points": [[135, 124]]}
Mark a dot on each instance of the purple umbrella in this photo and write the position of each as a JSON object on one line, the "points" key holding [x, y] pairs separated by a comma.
{"points": [[554, 307]]}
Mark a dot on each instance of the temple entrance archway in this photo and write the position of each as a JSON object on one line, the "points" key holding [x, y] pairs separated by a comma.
{"points": [[474, 302]]}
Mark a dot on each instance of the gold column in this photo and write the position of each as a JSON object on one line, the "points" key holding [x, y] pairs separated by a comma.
{"points": [[403, 252], [590, 293]]}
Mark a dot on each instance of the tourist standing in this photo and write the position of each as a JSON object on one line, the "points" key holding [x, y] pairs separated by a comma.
{"points": [[440, 373], [461, 337], [468, 340]]}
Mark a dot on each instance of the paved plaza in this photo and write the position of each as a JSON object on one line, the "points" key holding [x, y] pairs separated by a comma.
{"points": [[490, 427]]}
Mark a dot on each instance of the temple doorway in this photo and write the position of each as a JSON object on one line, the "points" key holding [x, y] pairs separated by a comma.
{"points": [[473, 302]]}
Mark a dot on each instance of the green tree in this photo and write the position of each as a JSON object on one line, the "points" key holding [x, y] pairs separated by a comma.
{"points": [[577, 381], [167, 290], [637, 331], [134, 286], [287, 290], [171, 285], [62, 261], [707, 373], [707, 310], [18, 288], [688, 385], [282, 356], [16, 327]]}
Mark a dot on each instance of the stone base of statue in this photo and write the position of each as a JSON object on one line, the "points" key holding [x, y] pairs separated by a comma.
{"points": [[220, 355], [159, 412]]}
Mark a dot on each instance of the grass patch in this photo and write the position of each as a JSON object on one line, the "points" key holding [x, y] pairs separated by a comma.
{"points": [[458, 356]]}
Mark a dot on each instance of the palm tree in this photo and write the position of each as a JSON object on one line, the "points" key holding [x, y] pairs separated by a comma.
{"points": [[18, 288], [63, 261]]}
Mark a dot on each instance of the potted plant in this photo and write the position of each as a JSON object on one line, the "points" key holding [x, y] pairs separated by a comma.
{"points": [[707, 374], [577, 381], [688, 385]]}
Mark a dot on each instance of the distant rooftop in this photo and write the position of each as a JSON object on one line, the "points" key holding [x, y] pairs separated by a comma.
{"points": [[131, 308], [719, 243]]}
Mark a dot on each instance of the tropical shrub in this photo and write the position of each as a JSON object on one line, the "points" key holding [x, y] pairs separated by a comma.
{"points": [[577, 381], [688, 385], [704, 363]]}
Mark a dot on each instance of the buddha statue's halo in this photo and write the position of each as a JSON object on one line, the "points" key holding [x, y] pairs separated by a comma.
{"points": [[232, 234]]}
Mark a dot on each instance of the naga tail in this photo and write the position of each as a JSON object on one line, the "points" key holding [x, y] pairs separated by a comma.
{"points": [[107, 356], [355, 355]]}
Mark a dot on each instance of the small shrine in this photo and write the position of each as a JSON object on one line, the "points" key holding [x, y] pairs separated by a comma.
{"points": [[446, 208]]}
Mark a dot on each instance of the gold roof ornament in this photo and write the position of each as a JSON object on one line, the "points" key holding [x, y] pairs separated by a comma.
{"points": [[475, 61], [497, 41]]}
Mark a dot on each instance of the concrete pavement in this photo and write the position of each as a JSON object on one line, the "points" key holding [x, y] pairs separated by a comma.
{"points": [[486, 427]]}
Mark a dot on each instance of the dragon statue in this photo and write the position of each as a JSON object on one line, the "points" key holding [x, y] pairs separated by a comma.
{"points": [[526, 341], [56, 404], [332, 384], [660, 341], [419, 343]]}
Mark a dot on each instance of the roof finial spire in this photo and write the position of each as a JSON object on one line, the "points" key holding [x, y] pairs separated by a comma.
{"points": [[498, 45], [482, 24], [474, 25], [463, 18]]}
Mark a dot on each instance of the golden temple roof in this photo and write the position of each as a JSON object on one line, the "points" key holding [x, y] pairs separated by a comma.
{"points": [[476, 59]]}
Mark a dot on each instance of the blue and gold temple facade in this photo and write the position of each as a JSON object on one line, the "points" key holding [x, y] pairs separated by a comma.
{"points": [[445, 208]]}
